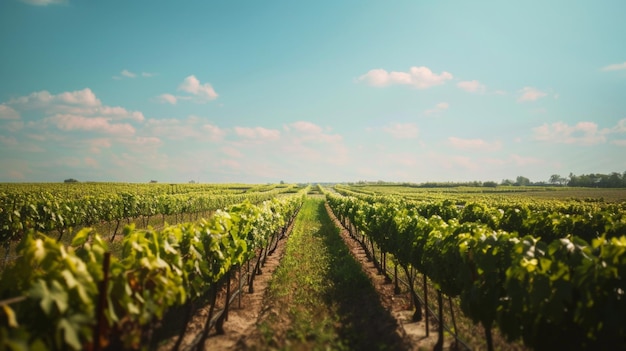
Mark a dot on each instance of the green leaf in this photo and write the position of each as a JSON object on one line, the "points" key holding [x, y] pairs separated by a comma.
{"points": [[70, 334], [70, 280], [39, 290], [59, 295], [132, 308], [81, 237]]}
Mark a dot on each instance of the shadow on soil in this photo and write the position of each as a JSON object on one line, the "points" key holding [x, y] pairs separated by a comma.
{"points": [[365, 324]]}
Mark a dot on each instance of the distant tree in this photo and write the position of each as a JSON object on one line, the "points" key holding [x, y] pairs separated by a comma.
{"points": [[490, 184], [192, 182], [507, 182], [554, 179], [598, 180], [614, 180], [573, 180], [70, 180], [153, 181], [522, 181]]}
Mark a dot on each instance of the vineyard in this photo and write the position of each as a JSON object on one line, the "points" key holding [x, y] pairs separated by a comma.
{"points": [[549, 273], [80, 296], [114, 266]]}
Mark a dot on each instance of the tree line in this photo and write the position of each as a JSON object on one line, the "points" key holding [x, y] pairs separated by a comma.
{"points": [[591, 180]]}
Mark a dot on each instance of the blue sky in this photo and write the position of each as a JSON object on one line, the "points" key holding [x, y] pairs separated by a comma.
{"points": [[264, 91]]}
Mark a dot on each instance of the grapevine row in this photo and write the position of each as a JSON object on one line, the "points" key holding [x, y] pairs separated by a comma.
{"points": [[534, 280], [60, 286], [50, 211]]}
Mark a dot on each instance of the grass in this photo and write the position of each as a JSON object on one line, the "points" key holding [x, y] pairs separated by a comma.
{"points": [[322, 298]]}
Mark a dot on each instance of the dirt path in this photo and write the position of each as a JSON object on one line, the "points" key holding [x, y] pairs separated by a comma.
{"points": [[398, 304], [242, 321]]}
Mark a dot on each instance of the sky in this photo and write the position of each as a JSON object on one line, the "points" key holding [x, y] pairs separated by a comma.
{"points": [[311, 91]]}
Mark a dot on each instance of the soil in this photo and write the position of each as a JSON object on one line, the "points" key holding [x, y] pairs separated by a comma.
{"points": [[399, 305], [241, 329]]}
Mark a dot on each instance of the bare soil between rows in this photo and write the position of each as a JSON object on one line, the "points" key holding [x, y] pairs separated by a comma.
{"points": [[241, 328], [399, 305]]}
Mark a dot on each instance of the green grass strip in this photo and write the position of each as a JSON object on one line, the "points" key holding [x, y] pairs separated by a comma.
{"points": [[321, 297]]}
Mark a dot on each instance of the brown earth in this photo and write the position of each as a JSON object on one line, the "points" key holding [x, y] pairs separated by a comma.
{"points": [[399, 305], [241, 320]]}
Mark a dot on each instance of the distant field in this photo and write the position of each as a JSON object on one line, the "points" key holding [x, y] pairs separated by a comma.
{"points": [[550, 193]]}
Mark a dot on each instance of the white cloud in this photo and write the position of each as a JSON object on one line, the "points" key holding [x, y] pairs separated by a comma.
{"points": [[620, 142], [258, 133], [142, 141], [474, 144], [84, 97], [530, 94], [203, 92], [232, 152], [96, 145], [8, 141], [44, 2], [7, 112], [213, 133], [615, 67], [308, 132], [167, 98], [583, 133], [199, 93], [418, 77], [43, 99], [128, 74], [472, 86], [190, 128], [91, 162], [442, 106], [95, 124], [13, 126], [172, 128], [80, 102], [306, 127], [307, 143], [117, 112], [402, 130], [465, 162], [620, 127]]}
